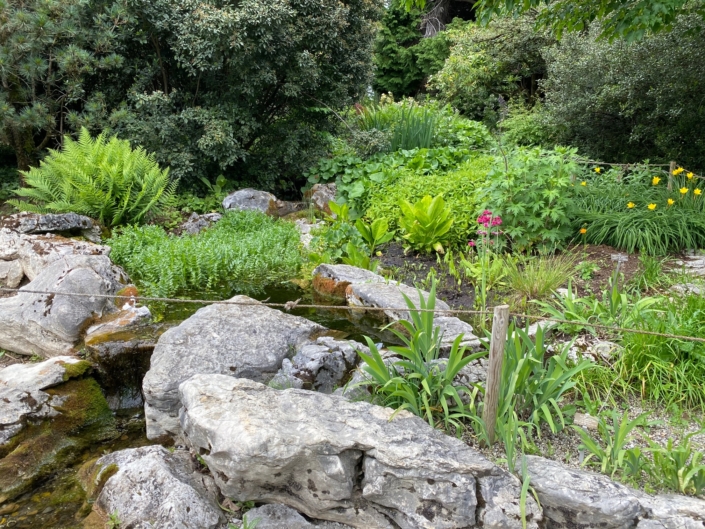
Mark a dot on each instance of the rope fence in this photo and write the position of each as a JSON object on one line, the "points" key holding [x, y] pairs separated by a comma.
{"points": [[290, 305]]}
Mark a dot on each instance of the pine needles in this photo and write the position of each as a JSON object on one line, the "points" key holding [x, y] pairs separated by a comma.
{"points": [[102, 178]]}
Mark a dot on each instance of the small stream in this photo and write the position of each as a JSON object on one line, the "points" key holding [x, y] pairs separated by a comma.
{"points": [[59, 502]]}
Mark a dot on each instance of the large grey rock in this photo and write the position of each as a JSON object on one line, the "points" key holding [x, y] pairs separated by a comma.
{"points": [[390, 297], [578, 499], [22, 395], [249, 341], [153, 488], [46, 223], [34, 253], [342, 461], [278, 516], [196, 222], [321, 366], [672, 511], [678, 522], [249, 200], [51, 324], [320, 195], [332, 280]]}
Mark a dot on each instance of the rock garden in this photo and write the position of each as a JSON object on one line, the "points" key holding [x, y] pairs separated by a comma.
{"points": [[346, 265]]}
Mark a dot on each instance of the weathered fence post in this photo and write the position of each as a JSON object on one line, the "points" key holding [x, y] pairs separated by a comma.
{"points": [[500, 322], [670, 175]]}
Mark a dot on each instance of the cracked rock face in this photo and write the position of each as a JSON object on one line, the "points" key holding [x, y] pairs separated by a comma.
{"points": [[577, 499], [152, 487], [51, 324], [249, 341], [342, 461], [332, 280], [321, 366]]}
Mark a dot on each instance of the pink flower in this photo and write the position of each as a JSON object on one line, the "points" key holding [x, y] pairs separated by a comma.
{"points": [[497, 221], [481, 232], [471, 244]]}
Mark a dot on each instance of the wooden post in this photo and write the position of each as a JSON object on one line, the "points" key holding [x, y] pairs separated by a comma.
{"points": [[500, 322], [670, 175]]}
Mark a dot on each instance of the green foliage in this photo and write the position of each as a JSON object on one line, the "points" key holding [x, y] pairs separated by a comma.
{"points": [[623, 102], [611, 456], [246, 89], [402, 58], [602, 206], [586, 269], [486, 62], [615, 308], [426, 223], [527, 126], [679, 467], [421, 382], [101, 178], [650, 274], [374, 234], [113, 521], [244, 252], [337, 235], [532, 386], [538, 277], [356, 257], [620, 19], [57, 60], [9, 182], [458, 187], [531, 190]]}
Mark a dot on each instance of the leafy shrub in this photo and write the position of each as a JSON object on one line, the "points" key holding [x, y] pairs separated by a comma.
{"points": [[243, 252], [103, 178], [531, 190], [503, 58], [634, 214], [527, 126], [355, 177], [425, 223], [458, 187]]}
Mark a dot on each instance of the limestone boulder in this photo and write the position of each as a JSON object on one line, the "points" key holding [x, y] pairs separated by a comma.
{"points": [[321, 366], [151, 487], [579, 499], [332, 280], [255, 200], [11, 274], [278, 516], [51, 411], [342, 461], [47, 223], [671, 511], [320, 195], [196, 222], [249, 341], [51, 324]]}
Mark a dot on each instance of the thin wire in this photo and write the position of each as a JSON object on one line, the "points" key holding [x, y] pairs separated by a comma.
{"points": [[294, 304]]}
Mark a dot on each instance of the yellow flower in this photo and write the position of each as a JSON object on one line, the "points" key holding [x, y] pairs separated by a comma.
{"points": [[651, 206], [697, 192], [583, 183], [671, 201], [598, 170], [690, 176], [678, 171], [683, 190], [583, 231], [655, 180], [630, 205]]}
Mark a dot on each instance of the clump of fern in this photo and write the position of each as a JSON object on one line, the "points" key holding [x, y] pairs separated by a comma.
{"points": [[103, 178]]}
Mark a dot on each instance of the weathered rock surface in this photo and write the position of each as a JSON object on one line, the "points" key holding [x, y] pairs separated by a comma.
{"points": [[196, 222], [46, 223], [387, 296], [150, 487], [306, 228], [321, 366], [254, 200], [678, 522], [11, 274], [578, 499], [278, 516], [320, 195], [332, 280], [51, 324], [50, 412], [671, 511], [248, 341], [306, 449]]}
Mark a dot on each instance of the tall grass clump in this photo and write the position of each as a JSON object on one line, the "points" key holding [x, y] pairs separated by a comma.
{"points": [[244, 252], [639, 213], [103, 178], [538, 277]]}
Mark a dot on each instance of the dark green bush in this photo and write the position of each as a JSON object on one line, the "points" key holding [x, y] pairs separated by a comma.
{"points": [[244, 252]]}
